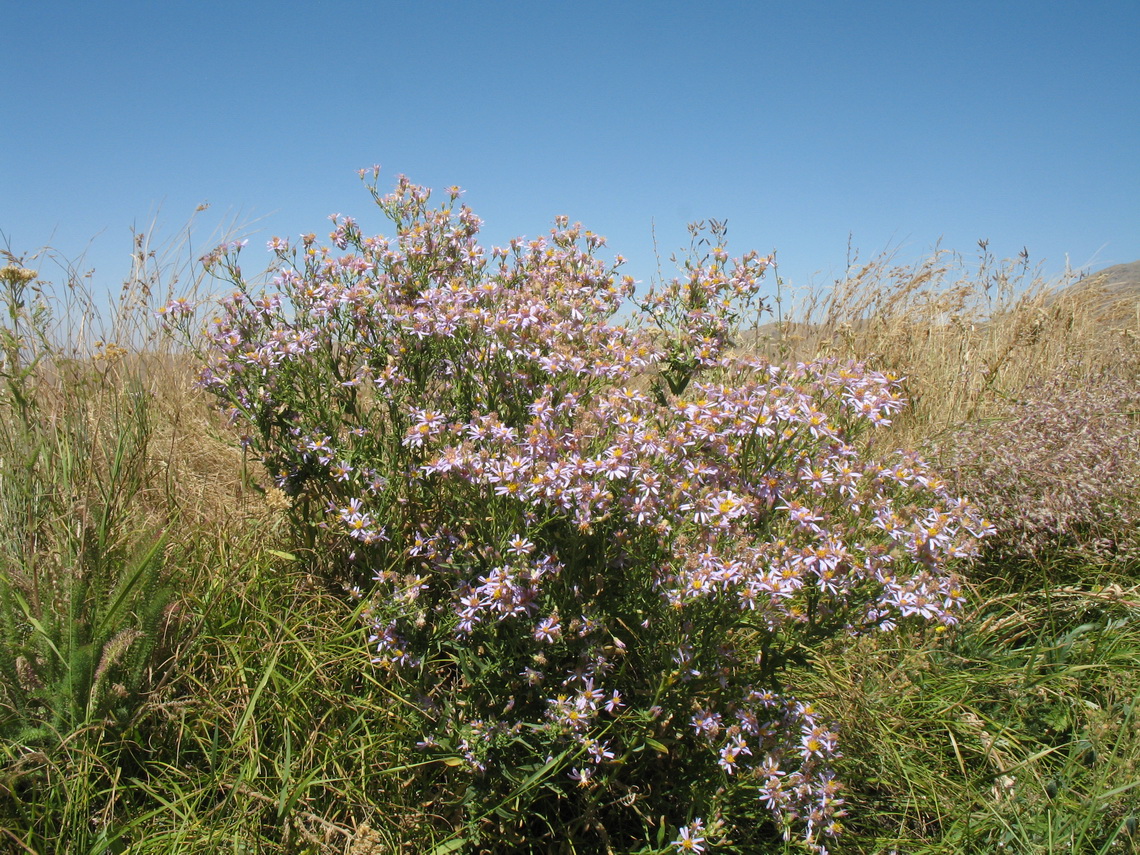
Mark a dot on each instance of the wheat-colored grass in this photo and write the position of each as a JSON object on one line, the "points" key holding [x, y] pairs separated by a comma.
{"points": [[967, 339]]}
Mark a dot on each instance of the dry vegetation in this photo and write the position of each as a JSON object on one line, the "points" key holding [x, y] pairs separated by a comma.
{"points": [[1016, 732], [969, 338]]}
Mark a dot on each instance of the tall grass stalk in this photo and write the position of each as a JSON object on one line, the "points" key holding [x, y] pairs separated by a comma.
{"points": [[968, 337]]}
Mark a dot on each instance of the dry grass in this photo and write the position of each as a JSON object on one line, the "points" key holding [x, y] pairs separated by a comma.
{"points": [[969, 339], [117, 342], [1014, 731]]}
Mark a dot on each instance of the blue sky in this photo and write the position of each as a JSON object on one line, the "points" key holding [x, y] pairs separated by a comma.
{"points": [[899, 123]]}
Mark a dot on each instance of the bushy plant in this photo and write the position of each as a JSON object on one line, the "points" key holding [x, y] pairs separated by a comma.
{"points": [[1056, 471], [588, 549]]}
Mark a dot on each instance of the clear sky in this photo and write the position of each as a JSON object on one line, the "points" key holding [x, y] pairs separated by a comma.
{"points": [[899, 123]]}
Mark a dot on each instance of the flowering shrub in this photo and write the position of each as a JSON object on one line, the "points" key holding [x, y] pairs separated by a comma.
{"points": [[1056, 470], [588, 548]]}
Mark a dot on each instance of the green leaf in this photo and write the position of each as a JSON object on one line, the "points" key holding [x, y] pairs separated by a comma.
{"points": [[449, 846], [150, 562]]}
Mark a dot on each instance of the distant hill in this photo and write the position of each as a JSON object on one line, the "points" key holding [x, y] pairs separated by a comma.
{"points": [[1116, 290], [1120, 278]]}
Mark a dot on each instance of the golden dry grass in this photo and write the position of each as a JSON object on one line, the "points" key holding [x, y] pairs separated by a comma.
{"points": [[967, 340], [89, 349]]}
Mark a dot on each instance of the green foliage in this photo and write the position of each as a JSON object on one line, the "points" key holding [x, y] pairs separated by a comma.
{"points": [[1016, 732], [85, 608], [281, 743]]}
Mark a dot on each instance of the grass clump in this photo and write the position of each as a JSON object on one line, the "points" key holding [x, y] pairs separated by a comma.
{"points": [[1015, 732], [90, 623]]}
